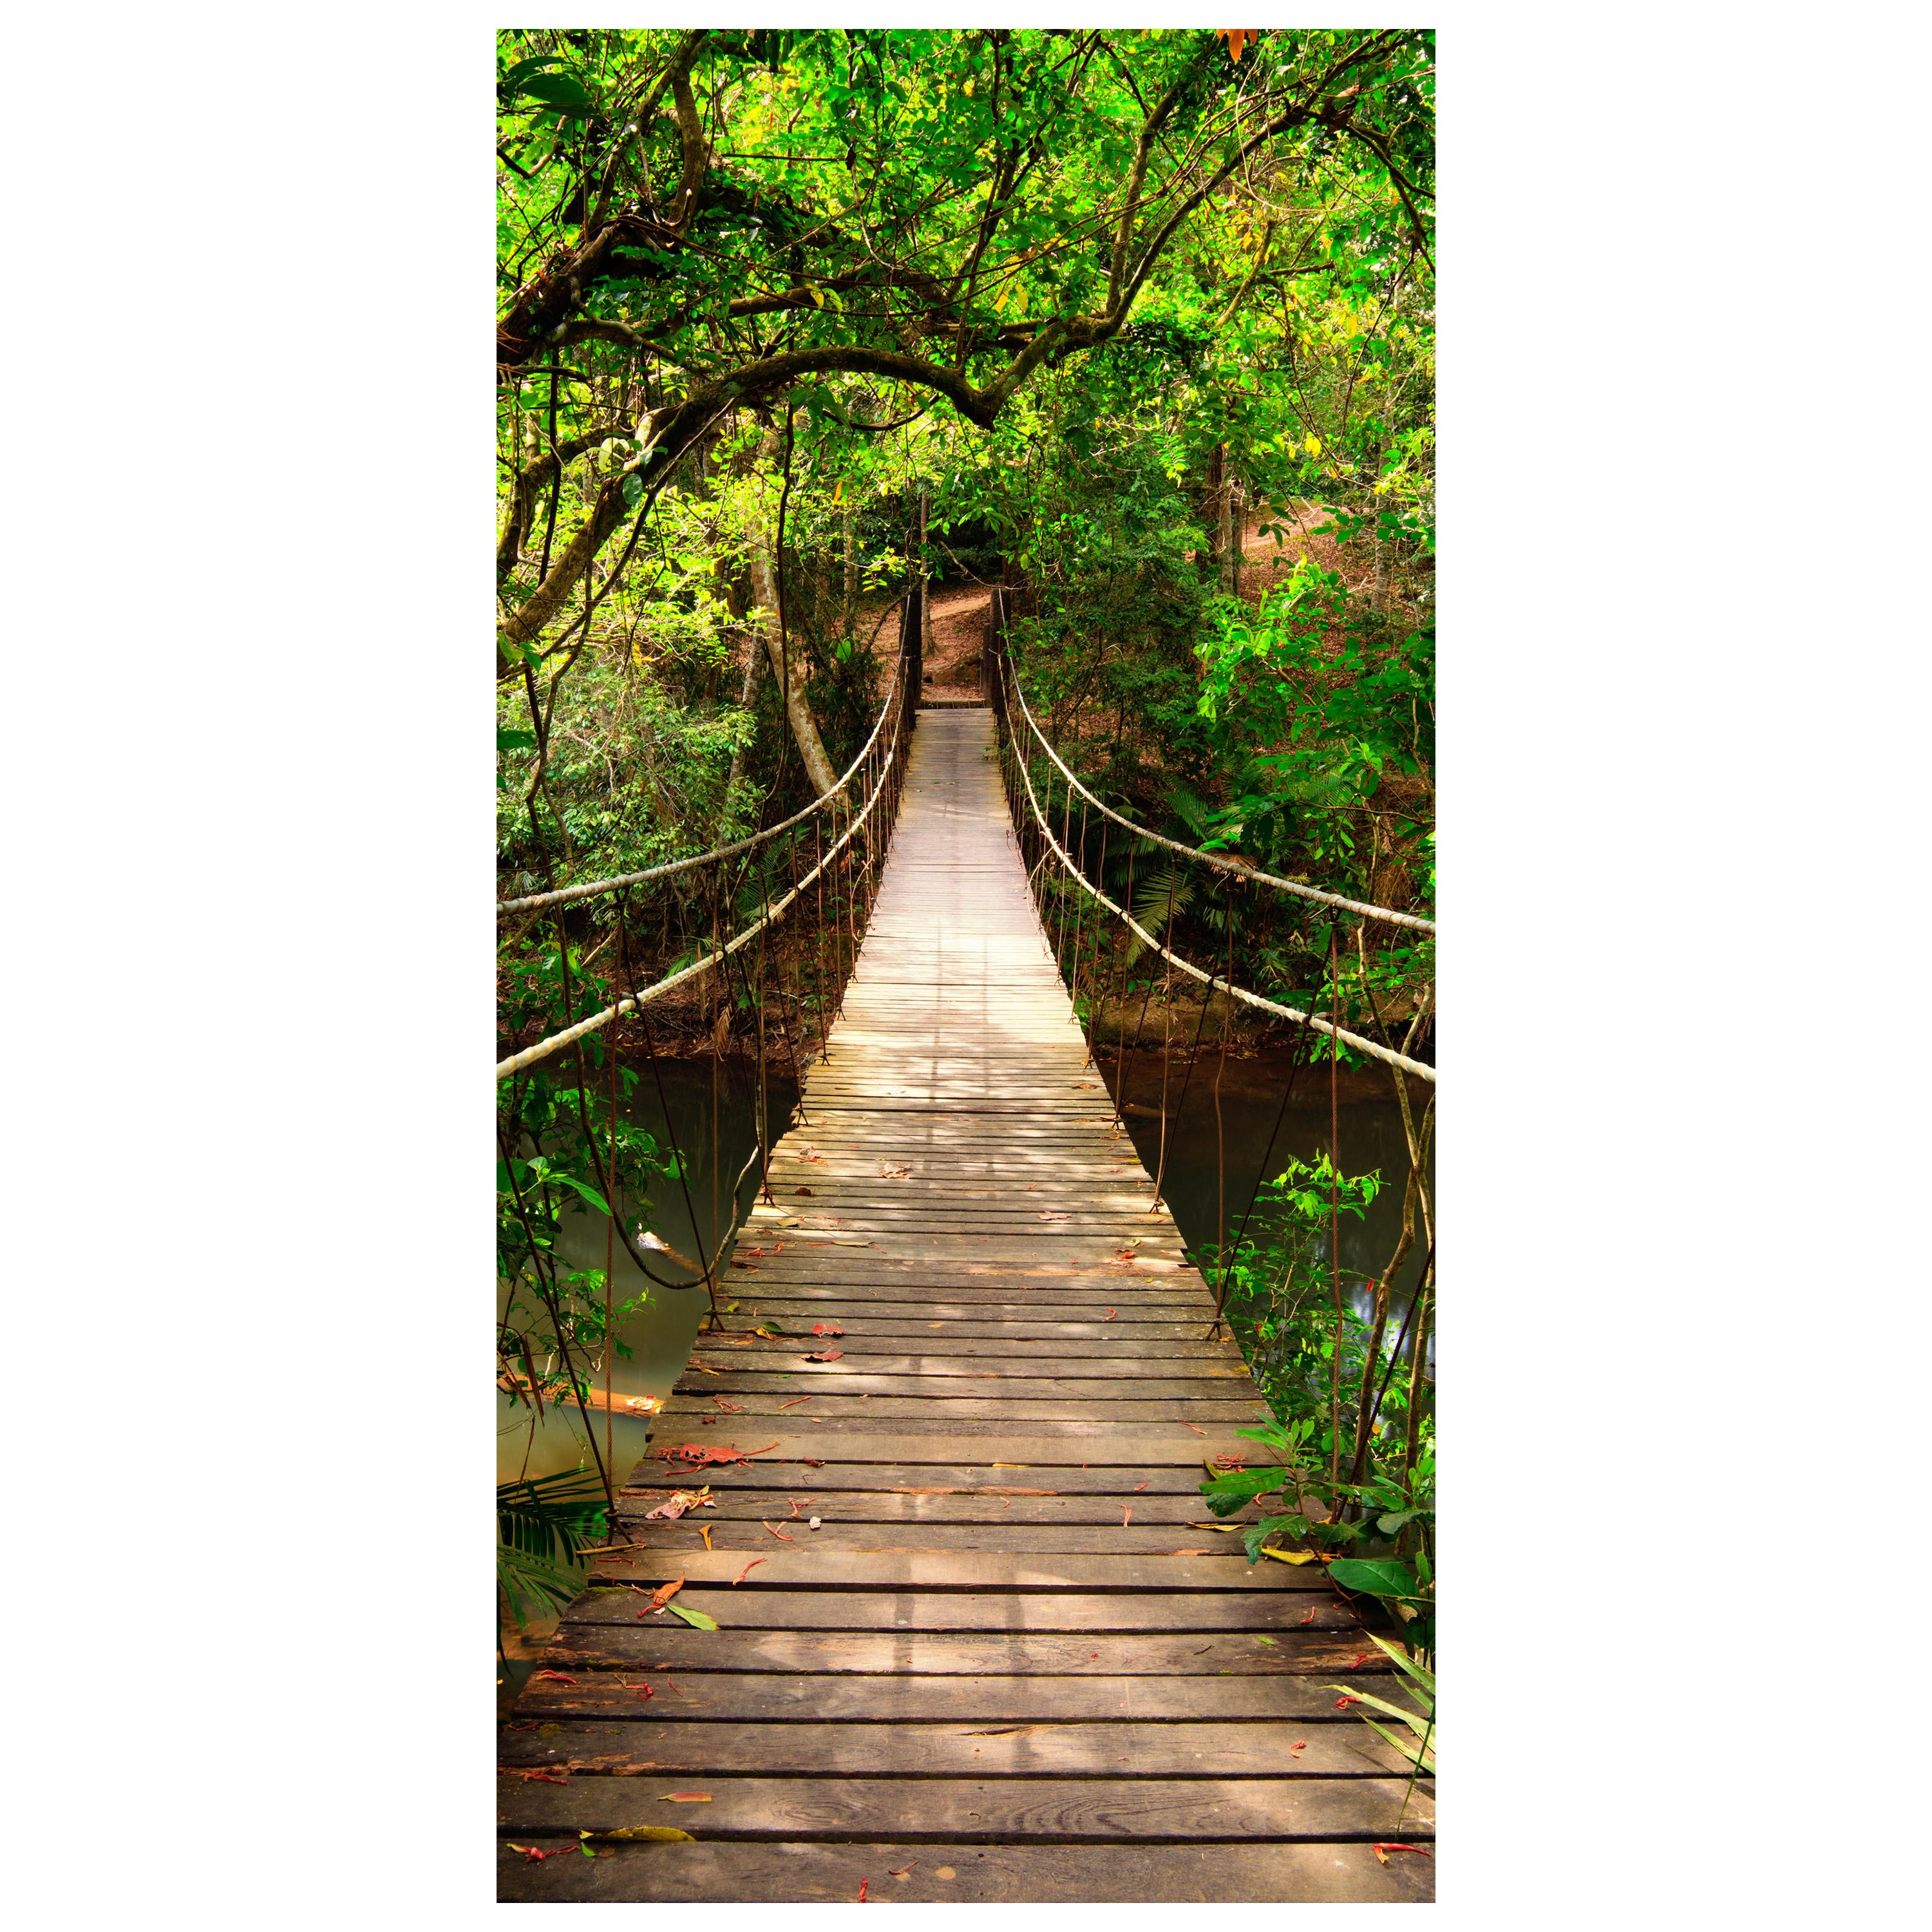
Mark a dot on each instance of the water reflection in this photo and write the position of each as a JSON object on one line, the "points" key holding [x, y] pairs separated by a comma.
{"points": [[715, 1141]]}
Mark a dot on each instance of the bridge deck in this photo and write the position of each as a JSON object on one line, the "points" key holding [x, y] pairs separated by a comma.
{"points": [[1018, 1661]]}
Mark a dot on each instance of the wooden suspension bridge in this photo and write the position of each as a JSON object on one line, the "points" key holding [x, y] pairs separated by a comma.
{"points": [[1016, 1660]]}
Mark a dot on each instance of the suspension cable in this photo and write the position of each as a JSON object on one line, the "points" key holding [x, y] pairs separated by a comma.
{"points": [[1211, 980], [1239, 871], [671, 867], [543, 1049]]}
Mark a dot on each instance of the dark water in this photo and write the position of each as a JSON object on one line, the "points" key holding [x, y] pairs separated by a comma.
{"points": [[1208, 1192], [715, 1143], [1201, 1185]]}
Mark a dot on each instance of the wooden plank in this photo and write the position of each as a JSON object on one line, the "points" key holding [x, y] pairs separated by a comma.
{"points": [[805, 1569], [1095, 1445], [1269, 1612], [637, 1745], [653, 1481], [663, 1645], [960, 1811], [805, 1873], [769, 1697]]}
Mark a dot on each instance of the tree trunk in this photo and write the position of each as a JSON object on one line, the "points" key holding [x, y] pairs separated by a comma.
{"points": [[791, 677], [1233, 519], [850, 615], [744, 704]]}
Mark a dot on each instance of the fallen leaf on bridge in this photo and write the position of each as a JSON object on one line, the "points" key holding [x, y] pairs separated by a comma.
{"points": [[551, 1677], [656, 1834], [778, 1533], [750, 1567], [1381, 1851], [684, 1798], [661, 1597], [895, 1174], [826, 1355], [704, 1531], [902, 1871], [826, 1328], [1292, 1555], [539, 1777], [1126, 1511], [794, 1402], [697, 1619]]}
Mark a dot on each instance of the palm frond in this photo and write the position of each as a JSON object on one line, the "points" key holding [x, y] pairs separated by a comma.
{"points": [[551, 1518], [1158, 896]]}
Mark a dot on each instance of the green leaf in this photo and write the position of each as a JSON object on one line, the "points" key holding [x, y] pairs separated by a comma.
{"points": [[1377, 1577], [514, 741], [560, 91], [1227, 1493], [696, 1619]]}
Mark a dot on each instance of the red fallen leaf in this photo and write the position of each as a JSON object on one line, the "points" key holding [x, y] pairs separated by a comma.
{"points": [[729, 1408], [1381, 1852], [643, 1691], [698, 1457], [1198, 1431], [813, 1462], [778, 1533], [1126, 1511], [826, 1328], [902, 1871], [1300, 1744], [795, 1401], [1139, 1487], [1343, 1703], [862, 1888], [826, 1355], [544, 1776], [685, 1798], [552, 1677], [1310, 1618], [661, 1598], [801, 1190], [532, 1856], [1095, 1658], [749, 1568], [1108, 1316], [1356, 1663]]}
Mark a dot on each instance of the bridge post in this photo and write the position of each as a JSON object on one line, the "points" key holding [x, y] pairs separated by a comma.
{"points": [[911, 652], [992, 653]]}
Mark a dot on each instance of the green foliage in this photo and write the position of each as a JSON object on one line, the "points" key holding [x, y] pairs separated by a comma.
{"points": [[1311, 702], [558, 1142], [1277, 1289], [1418, 1750], [544, 1523]]}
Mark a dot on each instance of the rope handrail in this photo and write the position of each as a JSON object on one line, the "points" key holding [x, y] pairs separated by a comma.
{"points": [[591, 886], [543, 1049], [1211, 980], [1228, 865]]}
